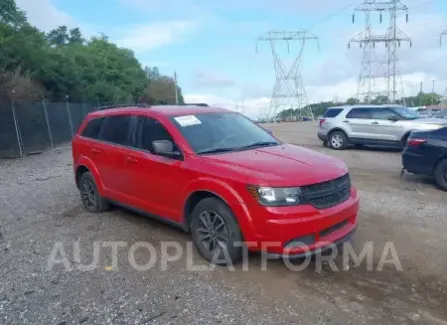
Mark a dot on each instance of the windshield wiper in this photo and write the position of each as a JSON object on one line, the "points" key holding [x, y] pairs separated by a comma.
{"points": [[217, 150], [259, 144]]}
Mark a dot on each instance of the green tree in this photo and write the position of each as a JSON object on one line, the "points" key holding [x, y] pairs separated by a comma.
{"points": [[58, 36], [63, 63], [75, 37], [352, 101]]}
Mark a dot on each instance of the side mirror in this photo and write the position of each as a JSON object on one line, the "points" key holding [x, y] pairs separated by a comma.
{"points": [[165, 148], [393, 118]]}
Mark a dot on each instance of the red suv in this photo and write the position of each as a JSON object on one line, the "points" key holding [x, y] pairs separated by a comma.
{"points": [[217, 175]]}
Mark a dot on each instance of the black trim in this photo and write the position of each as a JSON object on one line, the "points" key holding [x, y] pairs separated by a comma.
{"points": [[179, 225], [347, 237], [373, 142]]}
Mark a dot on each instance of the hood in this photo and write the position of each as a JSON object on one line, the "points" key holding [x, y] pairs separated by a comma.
{"points": [[283, 165], [430, 120]]}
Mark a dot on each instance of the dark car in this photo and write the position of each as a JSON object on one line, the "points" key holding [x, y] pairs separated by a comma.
{"points": [[426, 154]]}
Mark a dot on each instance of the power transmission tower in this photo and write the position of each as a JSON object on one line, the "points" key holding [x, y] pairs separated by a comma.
{"points": [[289, 91], [392, 38]]}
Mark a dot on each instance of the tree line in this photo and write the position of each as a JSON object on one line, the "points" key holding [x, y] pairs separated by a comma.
{"points": [[63, 65], [421, 99]]}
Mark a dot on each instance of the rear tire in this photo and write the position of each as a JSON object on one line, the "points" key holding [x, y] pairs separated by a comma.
{"points": [[93, 202], [215, 232], [441, 174], [338, 140]]}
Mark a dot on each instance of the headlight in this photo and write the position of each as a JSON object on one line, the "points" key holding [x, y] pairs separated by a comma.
{"points": [[277, 196]]}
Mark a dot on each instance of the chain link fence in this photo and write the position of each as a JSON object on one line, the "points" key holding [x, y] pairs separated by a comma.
{"points": [[32, 127]]}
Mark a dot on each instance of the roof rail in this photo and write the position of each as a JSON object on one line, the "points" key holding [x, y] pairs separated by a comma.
{"points": [[124, 105], [196, 104]]}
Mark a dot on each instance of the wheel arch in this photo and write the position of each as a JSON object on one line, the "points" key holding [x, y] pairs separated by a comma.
{"points": [[440, 159], [86, 165], [339, 130], [211, 187], [404, 138], [194, 199]]}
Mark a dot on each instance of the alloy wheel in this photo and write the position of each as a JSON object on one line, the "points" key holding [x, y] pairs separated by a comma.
{"points": [[88, 194], [337, 141], [212, 232]]}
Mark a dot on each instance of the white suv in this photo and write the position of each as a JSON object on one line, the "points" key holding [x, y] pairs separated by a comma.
{"points": [[377, 125]]}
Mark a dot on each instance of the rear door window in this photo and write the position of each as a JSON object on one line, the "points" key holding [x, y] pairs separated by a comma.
{"points": [[93, 128], [382, 114], [332, 112], [116, 129], [361, 113]]}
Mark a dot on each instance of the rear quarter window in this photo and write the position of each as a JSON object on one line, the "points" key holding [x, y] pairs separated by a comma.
{"points": [[332, 112], [93, 128]]}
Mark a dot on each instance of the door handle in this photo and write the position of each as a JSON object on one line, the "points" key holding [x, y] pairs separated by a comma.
{"points": [[94, 150], [345, 121], [374, 122], [132, 160]]}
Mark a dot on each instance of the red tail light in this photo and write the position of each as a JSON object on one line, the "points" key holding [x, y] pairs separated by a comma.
{"points": [[322, 121], [415, 142]]}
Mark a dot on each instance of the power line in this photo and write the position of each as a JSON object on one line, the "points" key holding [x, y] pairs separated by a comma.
{"points": [[332, 15]]}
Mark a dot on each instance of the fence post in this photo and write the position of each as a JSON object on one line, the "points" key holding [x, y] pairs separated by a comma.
{"points": [[48, 123], [67, 105], [16, 125]]}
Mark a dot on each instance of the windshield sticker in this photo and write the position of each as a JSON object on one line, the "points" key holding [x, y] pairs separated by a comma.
{"points": [[187, 120]]}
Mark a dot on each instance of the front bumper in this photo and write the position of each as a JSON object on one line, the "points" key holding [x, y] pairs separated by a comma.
{"points": [[303, 230]]}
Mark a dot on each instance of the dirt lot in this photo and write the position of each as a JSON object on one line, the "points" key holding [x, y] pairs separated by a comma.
{"points": [[40, 206]]}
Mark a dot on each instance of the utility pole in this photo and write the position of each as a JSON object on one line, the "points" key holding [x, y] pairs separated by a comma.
{"points": [[176, 88], [392, 39], [420, 94], [433, 94], [289, 91]]}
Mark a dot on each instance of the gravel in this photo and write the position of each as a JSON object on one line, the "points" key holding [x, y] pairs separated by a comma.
{"points": [[40, 207]]}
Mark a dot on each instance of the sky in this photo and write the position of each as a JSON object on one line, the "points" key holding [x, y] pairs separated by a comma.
{"points": [[212, 46]]}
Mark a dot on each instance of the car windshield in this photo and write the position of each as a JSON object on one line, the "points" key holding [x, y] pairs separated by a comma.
{"points": [[406, 113], [222, 132]]}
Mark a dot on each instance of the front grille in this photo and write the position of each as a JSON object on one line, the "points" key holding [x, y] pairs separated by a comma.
{"points": [[328, 194]]}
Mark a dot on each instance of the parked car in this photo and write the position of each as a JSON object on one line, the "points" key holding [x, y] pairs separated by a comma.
{"points": [[426, 154], [423, 112], [378, 125], [442, 113], [217, 175]]}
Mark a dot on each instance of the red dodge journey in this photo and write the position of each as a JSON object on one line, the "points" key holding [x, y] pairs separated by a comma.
{"points": [[217, 175]]}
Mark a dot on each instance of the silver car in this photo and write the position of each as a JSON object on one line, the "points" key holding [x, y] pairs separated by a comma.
{"points": [[376, 125]]}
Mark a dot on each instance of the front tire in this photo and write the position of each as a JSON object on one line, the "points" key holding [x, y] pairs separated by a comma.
{"points": [[93, 202], [215, 232], [441, 174], [338, 140]]}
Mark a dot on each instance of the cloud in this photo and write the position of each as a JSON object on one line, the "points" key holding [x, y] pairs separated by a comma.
{"points": [[143, 38], [44, 15], [211, 79], [140, 38], [252, 108]]}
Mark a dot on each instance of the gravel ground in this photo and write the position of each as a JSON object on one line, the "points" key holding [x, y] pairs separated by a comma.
{"points": [[40, 207]]}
